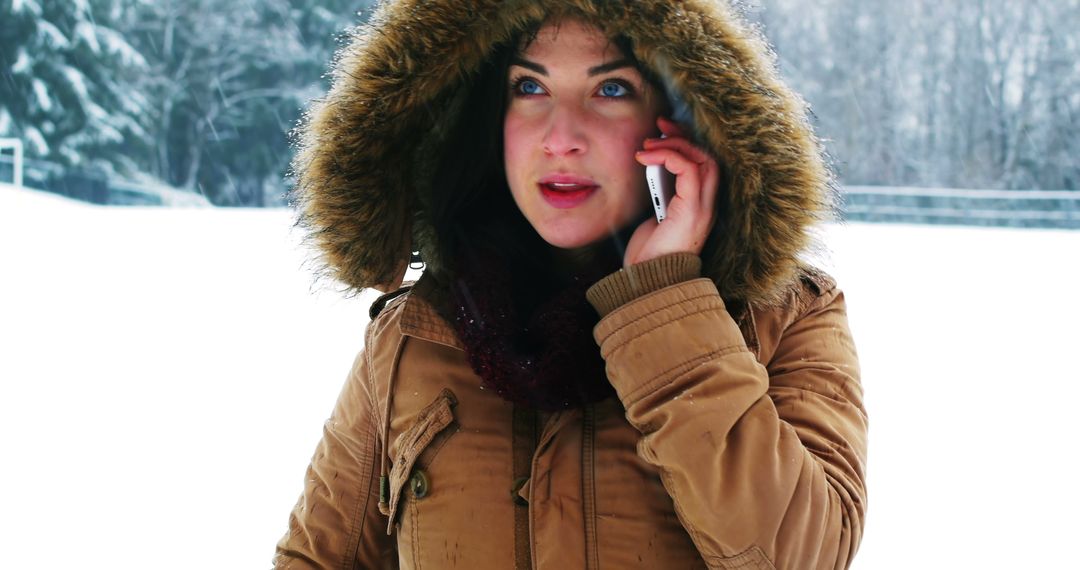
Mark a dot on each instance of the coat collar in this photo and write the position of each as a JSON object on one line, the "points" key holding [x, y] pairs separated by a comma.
{"points": [[420, 319]]}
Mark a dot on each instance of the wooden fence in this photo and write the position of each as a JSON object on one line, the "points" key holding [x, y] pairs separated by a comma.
{"points": [[1012, 208]]}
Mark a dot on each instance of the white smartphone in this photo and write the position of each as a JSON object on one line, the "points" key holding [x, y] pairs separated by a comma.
{"points": [[661, 188]]}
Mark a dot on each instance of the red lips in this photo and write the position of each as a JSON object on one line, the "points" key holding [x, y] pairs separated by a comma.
{"points": [[566, 190]]}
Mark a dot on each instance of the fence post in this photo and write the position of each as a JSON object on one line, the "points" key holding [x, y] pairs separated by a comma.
{"points": [[17, 167], [18, 164]]}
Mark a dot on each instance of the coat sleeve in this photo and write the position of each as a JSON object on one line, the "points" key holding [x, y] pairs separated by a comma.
{"points": [[336, 522], [765, 465]]}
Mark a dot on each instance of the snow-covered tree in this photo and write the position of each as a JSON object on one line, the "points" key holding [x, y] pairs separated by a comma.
{"points": [[203, 94], [65, 82], [969, 93], [229, 81]]}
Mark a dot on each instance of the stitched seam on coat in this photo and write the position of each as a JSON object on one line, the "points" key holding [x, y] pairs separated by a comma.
{"points": [[357, 519], [680, 512], [415, 532], [664, 377], [523, 445], [372, 442], [752, 558], [718, 304], [588, 480], [368, 387], [712, 561], [611, 349], [384, 434], [384, 424], [750, 334], [436, 445]]}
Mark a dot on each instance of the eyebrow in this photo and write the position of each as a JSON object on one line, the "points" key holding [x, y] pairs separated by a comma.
{"points": [[604, 68]]}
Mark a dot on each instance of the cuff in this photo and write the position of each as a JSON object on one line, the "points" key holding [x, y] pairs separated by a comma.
{"points": [[639, 279]]}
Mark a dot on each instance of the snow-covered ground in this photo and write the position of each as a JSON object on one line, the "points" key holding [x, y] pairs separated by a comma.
{"points": [[164, 374]]}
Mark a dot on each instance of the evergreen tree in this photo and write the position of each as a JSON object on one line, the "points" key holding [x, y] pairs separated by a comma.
{"points": [[65, 82], [229, 82]]}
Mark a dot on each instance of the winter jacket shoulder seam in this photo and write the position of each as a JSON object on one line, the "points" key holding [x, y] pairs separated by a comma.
{"points": [[813, 290]]}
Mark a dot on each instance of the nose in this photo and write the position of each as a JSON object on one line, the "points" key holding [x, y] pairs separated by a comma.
{"points": [[565, 134]]}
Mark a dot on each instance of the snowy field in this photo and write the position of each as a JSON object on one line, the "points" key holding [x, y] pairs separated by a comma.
{"points": [[164, 374]]}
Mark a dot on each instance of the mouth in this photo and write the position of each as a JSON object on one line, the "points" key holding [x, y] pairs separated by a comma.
{"points": [[566, 191], [565, 196]]}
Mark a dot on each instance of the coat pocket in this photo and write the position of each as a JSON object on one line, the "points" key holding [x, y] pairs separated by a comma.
{"points": [[417, 447], [750, 559]]}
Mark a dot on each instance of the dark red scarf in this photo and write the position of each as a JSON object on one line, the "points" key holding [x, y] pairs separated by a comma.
{"points": [[527, 335]]}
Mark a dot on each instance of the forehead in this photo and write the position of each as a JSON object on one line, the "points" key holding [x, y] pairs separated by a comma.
{"points": [[570, 38]]}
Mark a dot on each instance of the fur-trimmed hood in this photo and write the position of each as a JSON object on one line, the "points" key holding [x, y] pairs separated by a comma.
{"points": [[394, 89]]}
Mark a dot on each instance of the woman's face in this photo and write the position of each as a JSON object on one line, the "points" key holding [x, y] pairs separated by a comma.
{"points": [[577, 111]]}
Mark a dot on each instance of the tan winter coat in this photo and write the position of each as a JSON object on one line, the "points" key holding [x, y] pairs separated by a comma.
{"points": [[736, 441], [738, 435]]}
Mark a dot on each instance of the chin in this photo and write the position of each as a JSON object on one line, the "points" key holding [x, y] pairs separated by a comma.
{"points": [[564, 242], [571, 238], [576, 233]]}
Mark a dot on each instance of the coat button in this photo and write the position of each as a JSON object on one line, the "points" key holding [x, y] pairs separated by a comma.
{"points": [[419, 484]]}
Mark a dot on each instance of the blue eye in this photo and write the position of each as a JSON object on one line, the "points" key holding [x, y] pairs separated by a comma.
{"points": [[612, 89], [529, 87]]}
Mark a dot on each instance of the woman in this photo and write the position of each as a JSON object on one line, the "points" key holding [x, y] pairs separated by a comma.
{"points": [[572, 384]]}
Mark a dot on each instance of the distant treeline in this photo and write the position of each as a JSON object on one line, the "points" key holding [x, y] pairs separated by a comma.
{"points": [[932, 93], [203, 94]]}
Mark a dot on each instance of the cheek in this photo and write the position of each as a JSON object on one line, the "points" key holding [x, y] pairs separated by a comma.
{"points": [[622, 141], [515, 144]]}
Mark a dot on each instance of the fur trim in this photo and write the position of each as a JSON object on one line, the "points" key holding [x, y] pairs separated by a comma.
{"points": [[396, 83]]}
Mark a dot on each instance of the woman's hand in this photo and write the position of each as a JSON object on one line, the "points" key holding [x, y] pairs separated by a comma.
{"points": [[690, 215]]}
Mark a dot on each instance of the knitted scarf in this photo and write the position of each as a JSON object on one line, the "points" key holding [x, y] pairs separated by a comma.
{"points": [[528, 337]]}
